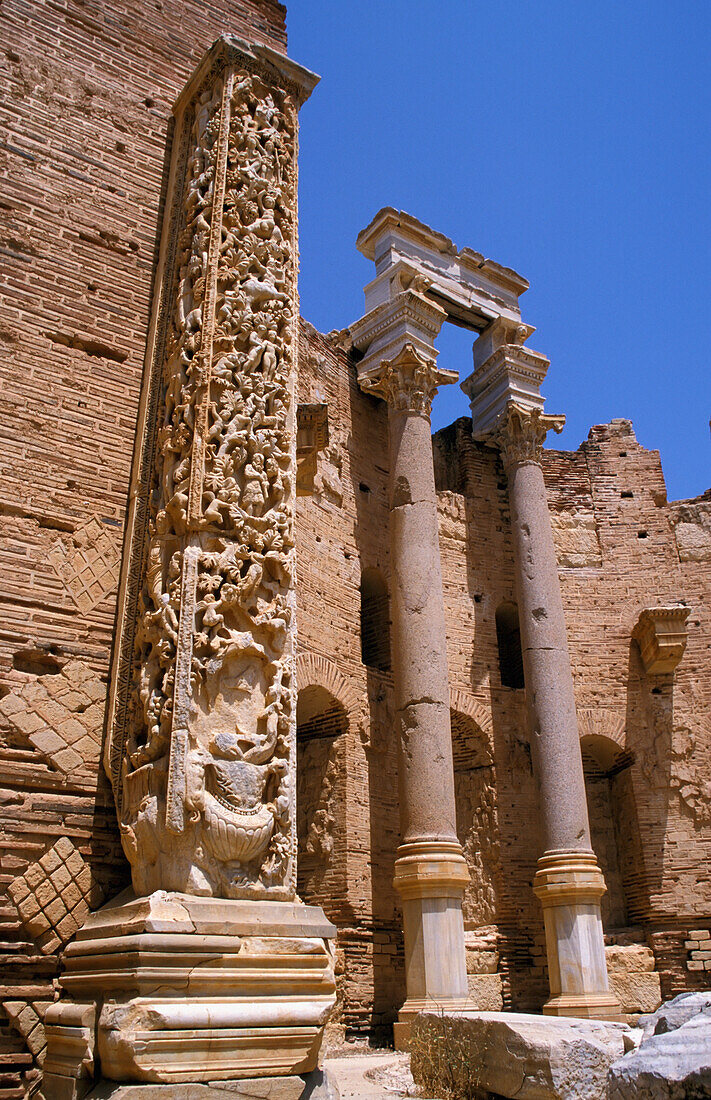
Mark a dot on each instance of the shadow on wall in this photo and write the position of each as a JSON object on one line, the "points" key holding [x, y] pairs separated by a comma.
{"points": [[614, 828], [321, 728], [649, 725]]}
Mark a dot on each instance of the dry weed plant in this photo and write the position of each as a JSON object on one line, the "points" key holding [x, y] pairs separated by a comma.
{"points": [[445, 1061]]}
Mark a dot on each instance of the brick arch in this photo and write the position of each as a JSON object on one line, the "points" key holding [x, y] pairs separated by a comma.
{"points": [[316, 671], [602, 723], [464, 704]]}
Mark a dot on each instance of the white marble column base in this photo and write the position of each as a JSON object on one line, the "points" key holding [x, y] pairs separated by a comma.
{"points": [[173, 988], [431, 877], [569, 885]]}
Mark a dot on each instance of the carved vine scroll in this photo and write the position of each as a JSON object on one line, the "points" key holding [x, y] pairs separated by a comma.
{"points": [[201, 743]]}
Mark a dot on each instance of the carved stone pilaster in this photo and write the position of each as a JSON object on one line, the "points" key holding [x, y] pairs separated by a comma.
{"points": [[214, 971], [408, 382], [200, 749], [520, 434]]}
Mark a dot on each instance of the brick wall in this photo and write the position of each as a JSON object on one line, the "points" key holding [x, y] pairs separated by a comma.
{"points": [[87, 89], [618, 553]]}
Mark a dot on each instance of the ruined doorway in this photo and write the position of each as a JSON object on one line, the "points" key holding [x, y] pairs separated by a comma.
{"points": [[321, 726], [604, 765], [477, 820]]}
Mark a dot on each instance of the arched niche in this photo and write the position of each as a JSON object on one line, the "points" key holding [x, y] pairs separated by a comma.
{"points": [[614, 831], [321, 728], [477, 817]]}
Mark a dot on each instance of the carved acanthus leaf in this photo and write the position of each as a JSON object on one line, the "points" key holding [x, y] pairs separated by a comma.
{"points": [[520, 433], [408, 382]]}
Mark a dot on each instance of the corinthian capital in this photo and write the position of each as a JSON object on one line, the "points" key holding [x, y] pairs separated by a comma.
{"points": [[520, 433], [408, 382]]}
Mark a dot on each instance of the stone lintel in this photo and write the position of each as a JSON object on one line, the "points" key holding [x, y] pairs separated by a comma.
{"points": [[661, 635], [472, 289], [505, 371], [276, 67]]}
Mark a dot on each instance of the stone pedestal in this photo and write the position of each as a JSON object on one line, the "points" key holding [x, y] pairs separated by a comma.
{"points": [[569, 886], [431, 878], [174, 988], [430, 870]]}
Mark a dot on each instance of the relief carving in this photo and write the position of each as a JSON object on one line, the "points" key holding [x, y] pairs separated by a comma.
{"points": [[201, 745], [87, 563]]}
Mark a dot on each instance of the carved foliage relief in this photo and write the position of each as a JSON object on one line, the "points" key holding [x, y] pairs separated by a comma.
{"points": [[201, 752]]}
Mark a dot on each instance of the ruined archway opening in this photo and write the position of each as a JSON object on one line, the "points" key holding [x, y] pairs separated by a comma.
{"points": [[477, 818], [605, 767], [374, 620], [321, 725], [478, 832], [508, 640]]}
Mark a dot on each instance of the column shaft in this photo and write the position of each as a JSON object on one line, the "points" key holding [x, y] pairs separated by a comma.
{"points": [[568, 882], [549, 683], [430, 870], [426, 775]]}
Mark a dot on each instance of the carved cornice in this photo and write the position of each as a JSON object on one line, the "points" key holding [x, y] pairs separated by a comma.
{"points": [[661, 635], [408, 382], [520, 434], [253, 57]]}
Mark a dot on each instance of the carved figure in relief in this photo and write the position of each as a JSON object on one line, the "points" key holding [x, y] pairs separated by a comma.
{"points": [[212, 736]]}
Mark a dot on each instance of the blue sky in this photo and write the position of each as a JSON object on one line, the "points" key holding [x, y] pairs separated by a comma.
{"points": [[567, 140]]}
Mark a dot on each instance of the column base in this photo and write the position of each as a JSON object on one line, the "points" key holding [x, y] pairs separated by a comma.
{"points": [[431, 877], [590, 1006], [173, 988], [569, 885]]}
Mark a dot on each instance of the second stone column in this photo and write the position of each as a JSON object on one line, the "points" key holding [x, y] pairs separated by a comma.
{"points": [[430, 871], [568, 881]]}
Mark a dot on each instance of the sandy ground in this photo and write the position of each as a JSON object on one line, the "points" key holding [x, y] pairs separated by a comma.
{"points": [[377, 1075]]}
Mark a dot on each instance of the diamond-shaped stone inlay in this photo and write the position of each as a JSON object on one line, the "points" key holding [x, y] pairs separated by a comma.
{"points": [[87, 562], [55, 895]]}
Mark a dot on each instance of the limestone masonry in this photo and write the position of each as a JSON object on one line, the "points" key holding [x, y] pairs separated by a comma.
{"points": [[308, 717]]}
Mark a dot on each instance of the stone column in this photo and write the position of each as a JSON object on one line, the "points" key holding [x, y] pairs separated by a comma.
{"points": [[430, 871], [568, 882], [212, 970]]}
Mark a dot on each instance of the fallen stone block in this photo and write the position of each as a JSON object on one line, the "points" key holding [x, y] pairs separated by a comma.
{"points": [[672, 1014], [317, 1085], [672, 1065], [517, 1055]]}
